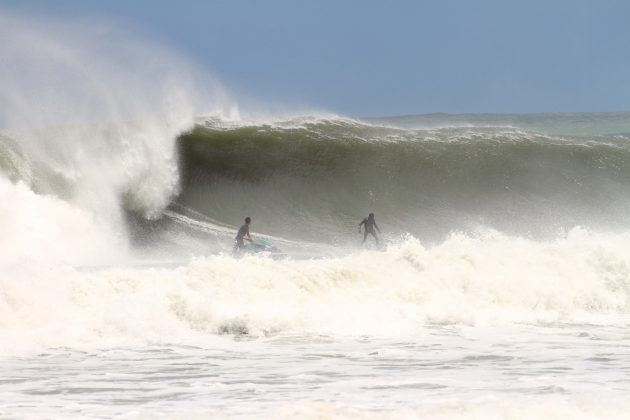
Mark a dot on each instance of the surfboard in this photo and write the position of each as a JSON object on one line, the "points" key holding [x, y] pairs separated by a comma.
{"points": [[263, 246]]}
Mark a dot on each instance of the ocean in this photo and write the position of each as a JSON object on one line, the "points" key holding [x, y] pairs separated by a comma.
{"points": [[500, 288]]}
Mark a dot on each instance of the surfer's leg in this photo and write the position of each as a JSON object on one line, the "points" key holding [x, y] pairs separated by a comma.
{"points": [[365, 234], [238, 246]]}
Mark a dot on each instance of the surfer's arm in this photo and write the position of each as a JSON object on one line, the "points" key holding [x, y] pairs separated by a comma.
{"points": [[376, 226]]}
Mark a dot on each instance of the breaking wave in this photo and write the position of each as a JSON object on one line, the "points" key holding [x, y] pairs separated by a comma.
{"points": [[314, 179], [88, 121]]}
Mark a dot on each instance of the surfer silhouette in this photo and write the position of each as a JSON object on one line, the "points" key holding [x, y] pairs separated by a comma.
{"points": [[369, 224], [243, 233]]}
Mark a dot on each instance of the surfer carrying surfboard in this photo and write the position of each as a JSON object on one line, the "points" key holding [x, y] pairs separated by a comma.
{"points": [[369, 224], [243, 233]]}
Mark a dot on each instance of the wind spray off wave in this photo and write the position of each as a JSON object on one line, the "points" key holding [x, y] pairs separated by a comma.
{"points": [[89, 117]]}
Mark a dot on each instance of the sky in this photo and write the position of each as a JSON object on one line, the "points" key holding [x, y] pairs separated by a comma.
{"points": [[379, 58]]}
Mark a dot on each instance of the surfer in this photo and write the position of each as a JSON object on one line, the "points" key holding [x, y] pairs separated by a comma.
{"points": [[243, 233], [370, 224]]}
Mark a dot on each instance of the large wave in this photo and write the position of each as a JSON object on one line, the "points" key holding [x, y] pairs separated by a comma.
{"points": [[314, 179]]}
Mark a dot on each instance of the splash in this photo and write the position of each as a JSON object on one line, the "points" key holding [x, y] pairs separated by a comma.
{"points": [[92, 113]]}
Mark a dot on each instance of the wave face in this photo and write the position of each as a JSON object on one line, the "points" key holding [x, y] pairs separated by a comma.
{"points": [[315, 179]]}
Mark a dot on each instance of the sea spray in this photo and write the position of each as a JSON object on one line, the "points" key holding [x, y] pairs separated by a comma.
{"points": [[89, 115]]}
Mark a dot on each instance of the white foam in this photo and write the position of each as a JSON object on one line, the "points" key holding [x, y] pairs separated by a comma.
{"points": [[551, 408], [492, 280], [46, 230]]}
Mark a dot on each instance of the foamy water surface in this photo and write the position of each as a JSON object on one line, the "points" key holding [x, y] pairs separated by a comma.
{"points": [[453, 331], [444, 372]]}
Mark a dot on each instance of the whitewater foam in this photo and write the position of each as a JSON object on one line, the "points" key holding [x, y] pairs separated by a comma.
{"points": [[491, 280], [583, 408]]}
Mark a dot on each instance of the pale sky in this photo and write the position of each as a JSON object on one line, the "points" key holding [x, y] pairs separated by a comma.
{"points": [[369, 58]]}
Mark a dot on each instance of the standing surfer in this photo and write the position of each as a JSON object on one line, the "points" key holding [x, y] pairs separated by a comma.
{"points": [[243, 233], [370, 224]]}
